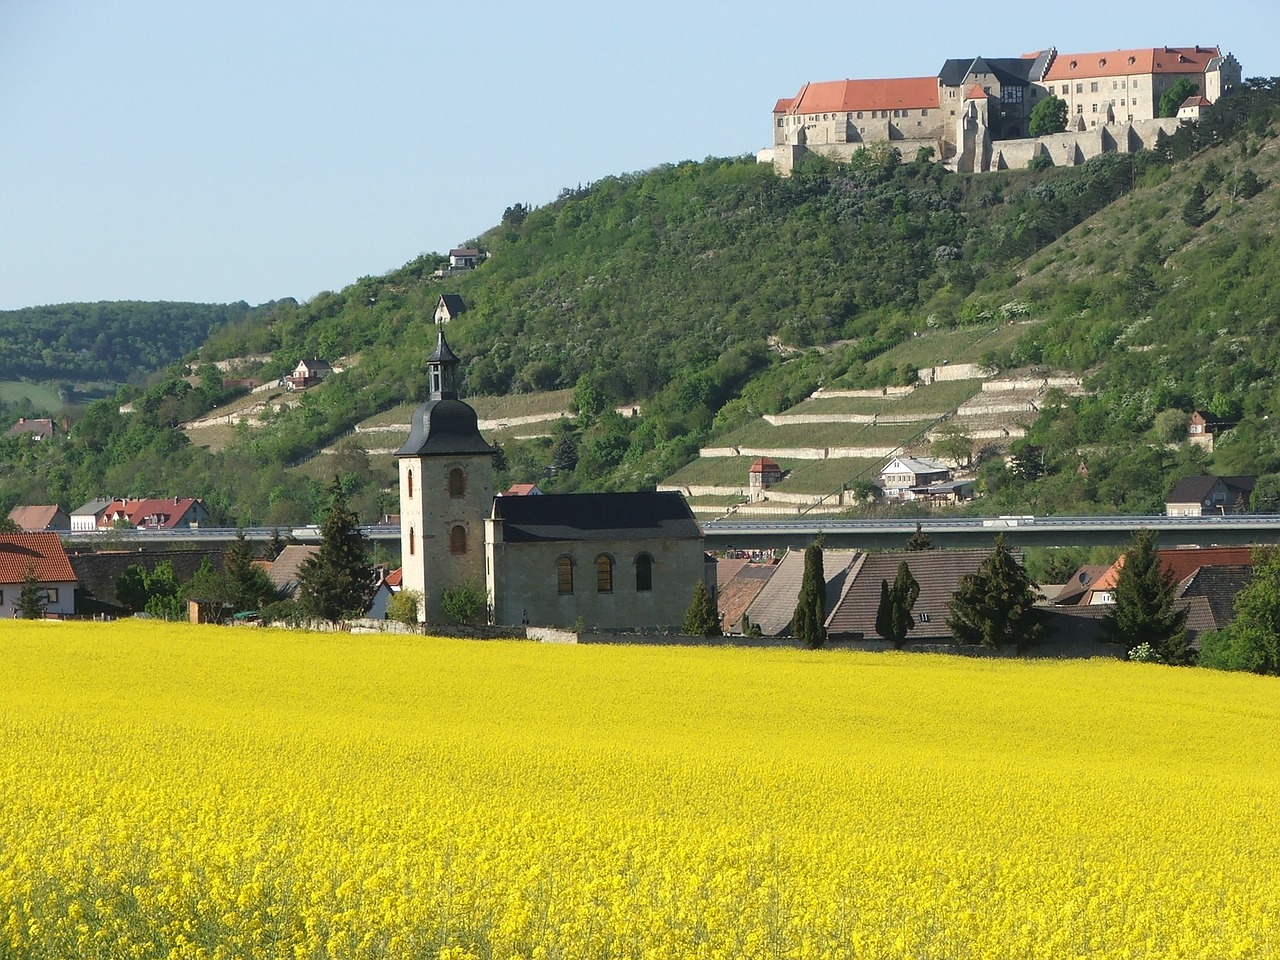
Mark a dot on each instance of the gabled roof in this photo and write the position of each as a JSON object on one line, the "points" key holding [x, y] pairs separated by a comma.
{"points": [[1181, 563], [1218, 585], [1195, 101], [91, 509], [464, 252], [162, 512], [1199, 489], [40, 552], [595, 516], [937, 571], [918, 464], [1008, 70], [838, 96], [33, 519], [783, 105], [395, 578], [1123, 63], [523, 490], [736, 589], [775, 604], [36, 426], [283, 571], [1079, 584], [452, 302], [976, 93], [765, 465]]}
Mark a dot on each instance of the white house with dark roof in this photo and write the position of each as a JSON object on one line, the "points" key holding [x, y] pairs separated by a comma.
{"points": [[902, 475], [1209, 496], [608, 561]]}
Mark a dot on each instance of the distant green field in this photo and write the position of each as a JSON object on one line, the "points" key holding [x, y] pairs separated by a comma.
{"points": [[43, 395]]}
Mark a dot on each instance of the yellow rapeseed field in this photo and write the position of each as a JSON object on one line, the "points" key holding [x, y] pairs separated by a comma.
{"points": [[174, 791]]}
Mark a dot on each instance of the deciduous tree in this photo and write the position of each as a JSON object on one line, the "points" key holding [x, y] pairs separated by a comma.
{"points": [[1049, 116]]}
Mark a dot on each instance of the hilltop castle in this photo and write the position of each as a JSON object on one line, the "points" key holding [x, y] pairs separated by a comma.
{"points": [[975, 113]]}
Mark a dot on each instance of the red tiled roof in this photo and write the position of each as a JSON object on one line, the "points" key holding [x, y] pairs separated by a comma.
{"points": [[765, 465], [521, 490], [1124, 63], [41, 551], [976, 93], [836, 96], [396, 577], [783, 105], [1196, 101], [1182, 563], [164, 512]]}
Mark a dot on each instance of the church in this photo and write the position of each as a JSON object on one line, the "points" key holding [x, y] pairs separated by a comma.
{"points": [[608, 561]]}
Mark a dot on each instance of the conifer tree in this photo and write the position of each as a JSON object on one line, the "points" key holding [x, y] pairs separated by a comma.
{"points": [[32, 600], [701, 619], [893, 617], [1144, 596], [919, 540], [807, 623], [337, 582], [995, 606]]}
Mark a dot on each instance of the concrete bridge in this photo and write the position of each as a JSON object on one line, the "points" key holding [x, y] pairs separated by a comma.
{"points": [[1022, 531]]}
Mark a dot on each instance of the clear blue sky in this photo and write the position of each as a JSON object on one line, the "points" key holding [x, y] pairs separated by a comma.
{"points": [[232, 150]]}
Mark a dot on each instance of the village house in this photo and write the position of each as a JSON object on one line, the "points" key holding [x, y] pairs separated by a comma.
{"points": [[153, 514], [608, 561], [1208, 496], [448, 307], [37, 519], [307, 373], [465, 258], [904, 478], [762, 475], [88, 516], [41, 555], [1203, 426], [37, 428]]}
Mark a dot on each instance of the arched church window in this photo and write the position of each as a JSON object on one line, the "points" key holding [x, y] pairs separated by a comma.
{"points": [[604, 573], [564, 575], [458, 540], [457, 483], [411, 542], [644, 573]]}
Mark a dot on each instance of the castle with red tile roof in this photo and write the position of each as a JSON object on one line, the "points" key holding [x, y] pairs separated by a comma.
{"points": [[974, 114]]}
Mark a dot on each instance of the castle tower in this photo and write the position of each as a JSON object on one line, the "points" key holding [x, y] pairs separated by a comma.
{"points": [[446, 490]]}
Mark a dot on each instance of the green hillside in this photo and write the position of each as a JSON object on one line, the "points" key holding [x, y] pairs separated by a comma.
{"points": [[707, 294]]}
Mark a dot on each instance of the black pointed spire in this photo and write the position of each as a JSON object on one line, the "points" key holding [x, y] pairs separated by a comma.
{"points": [[443, 368]]}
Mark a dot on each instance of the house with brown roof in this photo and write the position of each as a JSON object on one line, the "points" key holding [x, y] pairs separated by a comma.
{"points": [[938, 572], [1207, 495], [37, 519], [174, 513], [40, 554], [1179, 563], [762, 475], [738, 583], [1203, 426], [308, 373], [465, 258], [37, 428]]}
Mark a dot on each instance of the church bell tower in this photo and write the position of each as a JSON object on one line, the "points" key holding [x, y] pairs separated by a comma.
{"points": [[446, 490]]}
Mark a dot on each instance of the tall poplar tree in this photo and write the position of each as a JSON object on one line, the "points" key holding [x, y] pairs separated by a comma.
{"points": [[893, 617], [807, 621]]}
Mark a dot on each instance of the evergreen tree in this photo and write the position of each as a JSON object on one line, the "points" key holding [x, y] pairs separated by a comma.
{"points": [[807, 623], [893, 617], [1194, 212], [919, 540], [32, 600], [995, 606], [701, 619], [248, 587], [337, 582], [1144, 611]]}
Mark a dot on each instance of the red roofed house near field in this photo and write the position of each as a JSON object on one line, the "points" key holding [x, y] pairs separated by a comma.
{"points": [[42, 554], [168, 514], [37, 519]]}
